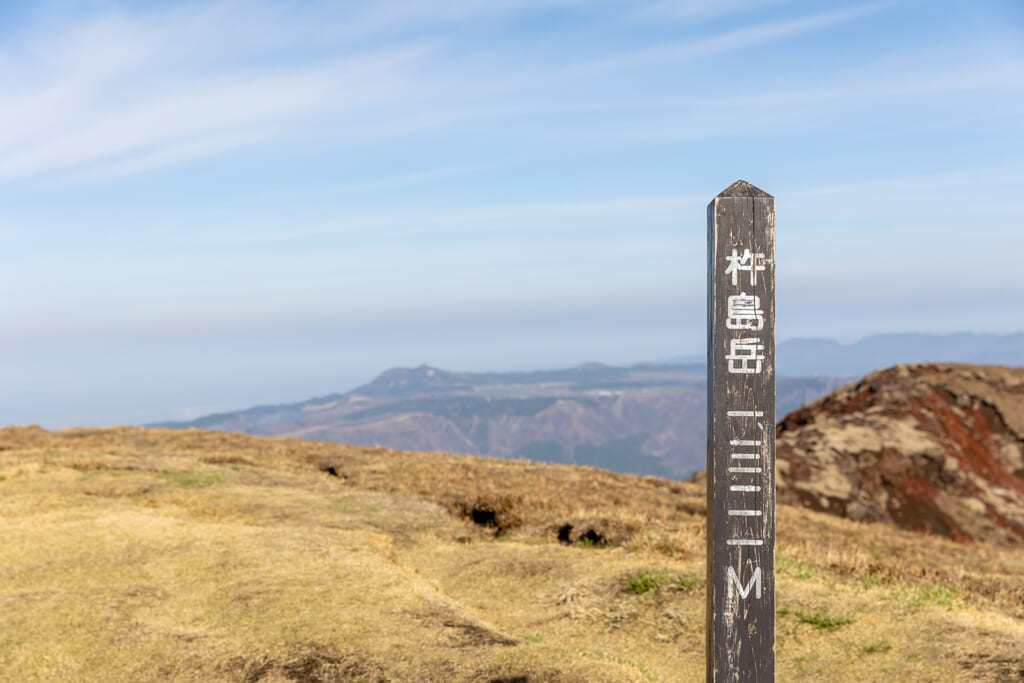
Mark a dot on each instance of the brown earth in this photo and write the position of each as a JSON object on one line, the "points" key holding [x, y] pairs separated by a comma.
{"points": [[936, 448]]}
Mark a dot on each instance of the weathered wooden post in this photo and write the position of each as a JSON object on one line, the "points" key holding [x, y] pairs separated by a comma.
{"points": [[741, 436]]}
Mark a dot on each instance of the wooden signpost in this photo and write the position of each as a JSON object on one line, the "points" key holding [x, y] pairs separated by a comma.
{"points": [[741, 436]]}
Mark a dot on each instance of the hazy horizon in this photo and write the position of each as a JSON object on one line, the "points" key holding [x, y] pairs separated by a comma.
{"points": [[206, 205], [298, 387]]}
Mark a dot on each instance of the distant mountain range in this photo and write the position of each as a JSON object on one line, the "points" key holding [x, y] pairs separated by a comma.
{"points": [[646, 419], [829, 358]]}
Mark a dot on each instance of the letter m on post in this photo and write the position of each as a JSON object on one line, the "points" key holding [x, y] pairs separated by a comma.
{"points": [[755, 582]]}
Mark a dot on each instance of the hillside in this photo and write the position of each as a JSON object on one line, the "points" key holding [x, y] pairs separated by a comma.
{"points": [[649, 419], [162, 555], [937, 448]]}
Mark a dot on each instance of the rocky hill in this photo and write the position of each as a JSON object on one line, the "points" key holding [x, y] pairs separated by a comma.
{"points": [[937, 448]]}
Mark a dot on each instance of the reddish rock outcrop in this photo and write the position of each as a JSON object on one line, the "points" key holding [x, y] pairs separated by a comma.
{"points": [[937, 448]]}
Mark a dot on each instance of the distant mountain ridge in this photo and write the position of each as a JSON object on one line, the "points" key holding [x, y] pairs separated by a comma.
{"points": [[645, 419], [811, 357], [830, 358], [648, 418]]}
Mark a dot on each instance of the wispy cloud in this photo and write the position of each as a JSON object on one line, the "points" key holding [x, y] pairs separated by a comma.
{"points": [[131, 128], [978, 179], [730, 41], [513, 220], [855, 98], [198, 144], [407, 179], [126, 93], [700, 10]]}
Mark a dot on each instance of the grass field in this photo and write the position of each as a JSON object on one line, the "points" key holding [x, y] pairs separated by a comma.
{"points": [[145, 555]]}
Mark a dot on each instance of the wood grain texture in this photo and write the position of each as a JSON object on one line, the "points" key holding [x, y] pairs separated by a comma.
{"points": [[741, 436]]}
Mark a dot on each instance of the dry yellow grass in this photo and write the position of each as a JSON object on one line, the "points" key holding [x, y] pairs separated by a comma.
{"points": [[133, 555]]}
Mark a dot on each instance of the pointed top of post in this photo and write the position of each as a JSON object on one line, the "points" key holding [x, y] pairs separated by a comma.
{"points": [[741, 188]]}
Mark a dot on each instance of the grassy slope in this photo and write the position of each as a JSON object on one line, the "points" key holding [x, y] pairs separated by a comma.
{"points": [[157, 555]]}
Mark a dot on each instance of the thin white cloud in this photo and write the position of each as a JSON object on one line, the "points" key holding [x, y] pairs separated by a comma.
{"points": [[553, 216], [133, 93], [382, 17], [93, 130], [693, 11], [731, 41], [962, 180], [887, 79], [416, 178], [169, 152], [846, 99]]}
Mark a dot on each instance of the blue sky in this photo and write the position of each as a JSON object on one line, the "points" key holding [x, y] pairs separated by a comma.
{"points": [[210, 205]]}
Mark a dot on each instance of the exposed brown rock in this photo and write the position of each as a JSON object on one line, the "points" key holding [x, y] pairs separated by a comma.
{"points": [[937, 448]]}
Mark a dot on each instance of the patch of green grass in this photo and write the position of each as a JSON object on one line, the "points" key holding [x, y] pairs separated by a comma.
{"points": [[822, 620], [685, 583], [874, 581], [585, 542], [786, 564], [535, 637], [880, 646], [644, 581], [938, 594], [917, 597]]}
